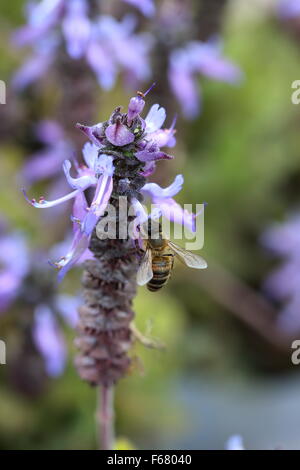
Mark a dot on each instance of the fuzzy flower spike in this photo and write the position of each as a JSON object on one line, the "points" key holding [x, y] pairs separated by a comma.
{"points": [[122, 151], [123, 147]]}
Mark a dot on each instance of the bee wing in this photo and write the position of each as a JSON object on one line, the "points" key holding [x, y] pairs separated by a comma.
{"points": [[190, 259], [145, 273]]}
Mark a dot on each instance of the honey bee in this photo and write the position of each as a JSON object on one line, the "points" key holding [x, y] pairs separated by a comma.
{"points": [[158, 261]]}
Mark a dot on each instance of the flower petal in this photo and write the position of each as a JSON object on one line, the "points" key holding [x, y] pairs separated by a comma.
{"points": [[185, 89], [149, 156], [49, 340], [148, 169], [175, 213], [76, 28], [101, 61], [163, 138], [90, 154], [83, 182], [10, 284], [155, 118], [147, 7], [93, 132], [153, 190], [42, 17], [135, 107], [34, 68], [119, 135], [140, 211], [79, 211], [49, 132], [67, 306], [288, 9], [79, 246], [43, 204], [99, 204], [104, 165]]}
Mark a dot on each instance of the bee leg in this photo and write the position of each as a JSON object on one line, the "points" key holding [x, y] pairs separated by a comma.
{"points": [[139, 251], [144, 340]]}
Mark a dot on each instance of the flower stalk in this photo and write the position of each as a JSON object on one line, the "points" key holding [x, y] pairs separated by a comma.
{"points": [[105, 418]]}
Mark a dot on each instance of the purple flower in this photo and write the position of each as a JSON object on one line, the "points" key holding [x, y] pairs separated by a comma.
{"points": [[47, 333], [135, 107], [289, 9], [76, 28], [49, 340], [284, 238], [155, 137], [147, 7], [283, 284], [98, 174], [86, 179], [198, 58], [114, 47], [14, 267], [109, 46], [167, 206], [95, 133], [17, 264], [41, 18], [47, 162], [37, 65], [118, 138], [148, 147], [67, 306]]}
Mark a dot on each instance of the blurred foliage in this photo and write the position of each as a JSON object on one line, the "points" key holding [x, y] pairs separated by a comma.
{"points": [[241, 157]]}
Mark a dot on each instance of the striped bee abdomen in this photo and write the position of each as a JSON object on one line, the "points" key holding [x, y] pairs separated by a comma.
{"points": [[161, 266]]}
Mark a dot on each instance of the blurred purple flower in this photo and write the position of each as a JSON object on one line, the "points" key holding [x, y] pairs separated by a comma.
{"points": [[108, 45], [49, 340], [283, 284], [198, 58], [288, 9], [47, 333], [114, 47], [47, 163], [17, 263], [235, 442], [67, 306], [76, 28], [147, 7], [41, 17], [37, 65], [14, 267]]}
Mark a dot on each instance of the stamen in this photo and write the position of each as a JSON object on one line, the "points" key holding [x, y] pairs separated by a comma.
{"points": [[142, 95], [173, 122]]}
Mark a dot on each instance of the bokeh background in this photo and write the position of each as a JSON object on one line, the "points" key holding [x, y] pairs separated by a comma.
{"points": [[227, 366]]}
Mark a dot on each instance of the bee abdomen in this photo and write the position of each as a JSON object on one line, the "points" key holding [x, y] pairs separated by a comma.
{"points": [[161, 273], [158, 281]]}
